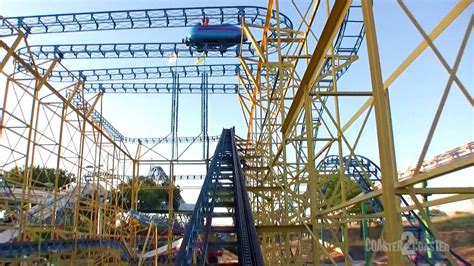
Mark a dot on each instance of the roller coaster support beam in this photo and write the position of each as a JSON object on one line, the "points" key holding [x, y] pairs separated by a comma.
{"points": [[317, 61], [393, 224], [204, 118], [460, 7]]}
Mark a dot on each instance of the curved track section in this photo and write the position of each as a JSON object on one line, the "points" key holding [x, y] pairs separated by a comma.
{"points": [[367, 175], [224, 187], [141, 19]]}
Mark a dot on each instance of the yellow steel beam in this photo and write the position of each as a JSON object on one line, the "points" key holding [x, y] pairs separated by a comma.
{"points": [[435, 33], [263, 188], [11, 50], [437, 202], [245, 109], [316, 63], [73, 94], [266, 26], [436, 190], [454, 165], [287, 228], [342, 93], [388, 167], [96, 100], [249, 74], [249, 95], [355, 200], [48, 72], [286, 40], [254, 42]]}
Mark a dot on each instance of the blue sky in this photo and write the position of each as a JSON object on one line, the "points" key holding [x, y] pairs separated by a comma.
{"points": [[414, 96]]}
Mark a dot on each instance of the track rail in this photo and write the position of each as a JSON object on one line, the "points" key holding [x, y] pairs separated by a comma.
{"points": [[141, 19], [224, 186], [133, 50], [143, 73], [183, 88]]}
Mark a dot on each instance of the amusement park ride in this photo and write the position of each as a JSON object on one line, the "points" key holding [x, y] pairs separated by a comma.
{"points": [[291, 191]]}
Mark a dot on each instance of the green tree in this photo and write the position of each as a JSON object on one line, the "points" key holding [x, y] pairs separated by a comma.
{"points": [[39, 176], [352, 190], [151, 197]]}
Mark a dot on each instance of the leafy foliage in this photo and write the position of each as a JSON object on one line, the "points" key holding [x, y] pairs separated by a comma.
{"points": [[152, 197], [352, 190], [39, 176]]}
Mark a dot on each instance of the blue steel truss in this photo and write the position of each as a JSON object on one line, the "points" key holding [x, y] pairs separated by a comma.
{"points": [[367, 175], [141, 19], [159, 72], [133, 50], [223, 187], [215, 88], [20, 249]]}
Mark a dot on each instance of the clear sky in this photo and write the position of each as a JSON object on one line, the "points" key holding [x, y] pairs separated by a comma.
{"points": [[414, 96]]}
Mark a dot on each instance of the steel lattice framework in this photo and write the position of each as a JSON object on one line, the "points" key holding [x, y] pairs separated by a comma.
{"points": [[307, 187], [141, 19], [294, 121]]}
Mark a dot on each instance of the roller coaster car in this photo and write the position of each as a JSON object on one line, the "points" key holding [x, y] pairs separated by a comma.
{"points": [[205, 37]]}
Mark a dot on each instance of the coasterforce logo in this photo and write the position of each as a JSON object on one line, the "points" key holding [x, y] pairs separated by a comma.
{"points": [[407, 245]]}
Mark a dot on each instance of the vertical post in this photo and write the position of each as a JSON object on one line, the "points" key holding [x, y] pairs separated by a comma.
{"points": [[58, 170], [170, 189], [365, 234], [312, 176], [204, 118], [77, 189], [391, 202], [174, 116], [341, 176], [4, 107], [134, 204], [424, 234], [156, 245]]}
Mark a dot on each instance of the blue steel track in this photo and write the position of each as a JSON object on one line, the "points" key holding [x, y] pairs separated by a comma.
{"points": [[224, 186]]}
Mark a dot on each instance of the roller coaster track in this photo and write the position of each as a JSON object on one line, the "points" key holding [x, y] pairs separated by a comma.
{"points": [[136, 73], [347, 42], [224, 187], [133, 50], [20, 249], [141, 19], [215, 88], [367, 175]]}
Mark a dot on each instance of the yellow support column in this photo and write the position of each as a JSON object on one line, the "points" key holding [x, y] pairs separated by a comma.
{"points": [[391, 202]]}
